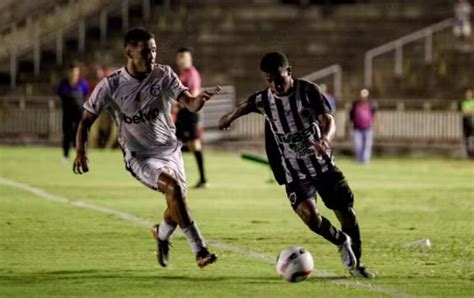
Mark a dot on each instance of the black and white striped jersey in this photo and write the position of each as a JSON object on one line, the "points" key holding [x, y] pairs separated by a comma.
{"points": [[293, 120]]}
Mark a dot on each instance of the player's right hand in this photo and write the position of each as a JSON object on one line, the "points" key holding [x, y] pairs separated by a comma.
{"points": [[80, 164], [225, 121]]}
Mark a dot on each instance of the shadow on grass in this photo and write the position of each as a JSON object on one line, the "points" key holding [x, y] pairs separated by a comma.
{"points": [[138, 276], [143, 276]]}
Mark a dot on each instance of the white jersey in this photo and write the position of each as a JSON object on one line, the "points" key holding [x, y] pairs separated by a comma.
{"points": [[140, 109]]}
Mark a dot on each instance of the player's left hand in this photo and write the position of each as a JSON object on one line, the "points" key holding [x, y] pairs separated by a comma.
{"points": [[81, 164], [321, 146], [207, 94]]}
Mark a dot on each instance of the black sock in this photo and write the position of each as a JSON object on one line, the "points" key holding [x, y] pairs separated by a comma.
{"points": [[329, 232], [198, 155], [354, 233], [66, 148], [351, 227]]}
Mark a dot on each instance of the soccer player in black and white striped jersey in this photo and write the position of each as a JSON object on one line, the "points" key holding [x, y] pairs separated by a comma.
{"points": [[299, 129]]}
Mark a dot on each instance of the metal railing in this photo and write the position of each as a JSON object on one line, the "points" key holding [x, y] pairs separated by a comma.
{"points": [[33, 116], [221, 103], [63, 21], [335, 70], [397, 46], [41, 117], [433, 127]]}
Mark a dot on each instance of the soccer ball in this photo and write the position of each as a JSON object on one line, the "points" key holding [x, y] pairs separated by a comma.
{"points": [[294, 264]]}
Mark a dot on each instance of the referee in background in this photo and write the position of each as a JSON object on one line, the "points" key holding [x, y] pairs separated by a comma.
{"points": [[187, 123]]}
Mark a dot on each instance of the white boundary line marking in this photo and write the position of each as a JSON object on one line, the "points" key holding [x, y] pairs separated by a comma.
{"points": [[224, 246]]}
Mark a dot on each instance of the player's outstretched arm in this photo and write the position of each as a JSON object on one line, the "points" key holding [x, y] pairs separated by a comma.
{"points": [[242, 109], [195, 103], [80, 162]]}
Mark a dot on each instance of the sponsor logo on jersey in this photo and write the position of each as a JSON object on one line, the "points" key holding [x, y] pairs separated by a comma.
{"points": [[141, 116], [300, 144], [311, 133]]}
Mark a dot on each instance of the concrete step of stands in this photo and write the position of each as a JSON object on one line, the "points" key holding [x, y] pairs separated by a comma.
{"points": [[272, 11], [229, 38]]}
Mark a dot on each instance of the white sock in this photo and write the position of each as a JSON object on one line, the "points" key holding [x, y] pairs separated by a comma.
{"points": [[194, 237], [165, 230]]}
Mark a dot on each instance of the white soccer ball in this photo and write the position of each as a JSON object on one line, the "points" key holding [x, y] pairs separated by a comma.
{"points": [[294, 264]]}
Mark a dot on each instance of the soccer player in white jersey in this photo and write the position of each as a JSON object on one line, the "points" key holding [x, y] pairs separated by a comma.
{"points": [[139, 97], [299, 129]]}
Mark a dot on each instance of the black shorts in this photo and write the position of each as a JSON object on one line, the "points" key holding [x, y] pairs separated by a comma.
{"points": [[187, 124], [468, 126], [332, 187]]}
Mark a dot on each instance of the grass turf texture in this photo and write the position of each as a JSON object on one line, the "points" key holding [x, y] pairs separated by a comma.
{"points": [[50, 249]]}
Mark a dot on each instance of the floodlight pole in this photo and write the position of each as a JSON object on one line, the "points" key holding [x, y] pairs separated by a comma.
{"points": [[399, 59], [37, 54], [125, 5], [59, 47], [13, 67], [368, 71], [103, 26], [82, 36], [146, 10], [429, 47]]}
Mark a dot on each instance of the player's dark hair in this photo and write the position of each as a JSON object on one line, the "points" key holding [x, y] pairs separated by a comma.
{"points": [[184, 50], [271, 62], [134, 36]]}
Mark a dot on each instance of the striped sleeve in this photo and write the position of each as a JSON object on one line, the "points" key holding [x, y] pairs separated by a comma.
{"points": [[318, 101], [254, 103]]}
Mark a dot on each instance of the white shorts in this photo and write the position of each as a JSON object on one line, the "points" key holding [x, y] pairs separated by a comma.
{"points": [[148, 169]]}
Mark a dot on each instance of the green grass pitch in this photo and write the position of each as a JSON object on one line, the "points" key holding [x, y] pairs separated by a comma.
{"points": [[50, 249]]}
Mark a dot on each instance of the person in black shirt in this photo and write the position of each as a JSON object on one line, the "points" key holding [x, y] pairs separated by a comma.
{"points": [[72, 91]]}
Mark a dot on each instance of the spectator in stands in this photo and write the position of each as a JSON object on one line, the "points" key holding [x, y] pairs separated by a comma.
{"points": [[467, 110], [188, 128], [329, 96], [462, 19], [362, 116], [72, 91]]}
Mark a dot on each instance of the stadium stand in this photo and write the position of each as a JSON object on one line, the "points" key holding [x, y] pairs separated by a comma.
{"points": [[229, 37], [241, 30]]}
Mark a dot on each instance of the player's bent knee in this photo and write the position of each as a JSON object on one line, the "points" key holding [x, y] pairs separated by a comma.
{"points": [[309, 213], [169, 186], [347, 216]]}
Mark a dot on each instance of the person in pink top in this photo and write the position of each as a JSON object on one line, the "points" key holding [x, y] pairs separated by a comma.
{"points": [[187, 123], [362, 116]]}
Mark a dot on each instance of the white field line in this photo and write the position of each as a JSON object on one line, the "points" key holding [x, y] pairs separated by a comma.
{"points": [[224, 246]]}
